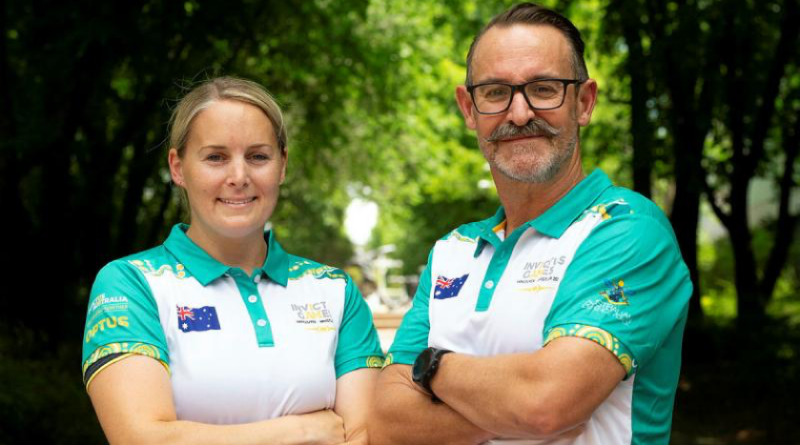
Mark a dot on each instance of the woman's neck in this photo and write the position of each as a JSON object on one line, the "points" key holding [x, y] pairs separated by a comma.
{"points": [[247, 253]]}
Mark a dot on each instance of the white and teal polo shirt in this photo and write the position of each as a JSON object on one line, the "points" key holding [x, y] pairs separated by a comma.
{"points": [[602, 263], [238, 348]]}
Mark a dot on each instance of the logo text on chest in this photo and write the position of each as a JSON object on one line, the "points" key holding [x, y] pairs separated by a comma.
{"points": [[312, 313], [541, 271]]}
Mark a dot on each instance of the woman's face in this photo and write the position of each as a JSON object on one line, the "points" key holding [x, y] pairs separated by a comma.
{"points": [[231, 170]]}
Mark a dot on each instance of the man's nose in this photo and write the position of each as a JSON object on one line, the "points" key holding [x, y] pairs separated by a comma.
{"points": [[519, 112]]}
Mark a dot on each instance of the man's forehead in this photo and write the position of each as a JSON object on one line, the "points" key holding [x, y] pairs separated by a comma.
{"points": [[522, 47]]}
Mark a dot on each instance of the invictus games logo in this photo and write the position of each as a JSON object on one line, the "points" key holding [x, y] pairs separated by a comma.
{"points": [[616, 293], [312, 313], [542, 271]]}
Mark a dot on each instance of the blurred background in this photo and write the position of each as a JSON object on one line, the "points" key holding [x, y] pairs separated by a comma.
{"points": [[698, 109]]}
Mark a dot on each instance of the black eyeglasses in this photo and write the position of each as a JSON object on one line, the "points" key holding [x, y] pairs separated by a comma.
{"points": [[541, 94]]}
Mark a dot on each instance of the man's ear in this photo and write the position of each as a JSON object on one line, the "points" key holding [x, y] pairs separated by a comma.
{"points": [[464, 101], [587, 97], [175, 167]]}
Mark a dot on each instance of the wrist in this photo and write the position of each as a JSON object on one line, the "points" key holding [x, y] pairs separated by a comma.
{"points": [[426, 367]]}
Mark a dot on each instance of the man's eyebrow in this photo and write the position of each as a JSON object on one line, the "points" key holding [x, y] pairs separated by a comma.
{"points": [[527, 79]]}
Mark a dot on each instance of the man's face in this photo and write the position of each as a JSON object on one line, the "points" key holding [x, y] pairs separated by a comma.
{"points": [[515, 55]]}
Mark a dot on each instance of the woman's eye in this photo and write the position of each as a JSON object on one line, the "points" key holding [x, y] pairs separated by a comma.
{"points": [[259, 157], [214, 157]]}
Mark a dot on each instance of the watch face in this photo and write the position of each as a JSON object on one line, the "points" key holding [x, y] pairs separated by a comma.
{"points": [[421, 365]]}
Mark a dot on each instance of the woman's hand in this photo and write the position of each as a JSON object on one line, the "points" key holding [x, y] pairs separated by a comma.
{"points": [[322, 428]]}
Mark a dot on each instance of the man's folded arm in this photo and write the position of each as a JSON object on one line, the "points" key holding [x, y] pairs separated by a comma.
{"points": [[530, 395], [403, 414]]}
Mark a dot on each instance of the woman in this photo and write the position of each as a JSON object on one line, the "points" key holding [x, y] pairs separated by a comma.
{"points": [[219, 335]]}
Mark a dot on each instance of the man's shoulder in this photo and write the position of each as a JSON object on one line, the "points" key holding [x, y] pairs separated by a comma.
{"points": [[619, 201]]}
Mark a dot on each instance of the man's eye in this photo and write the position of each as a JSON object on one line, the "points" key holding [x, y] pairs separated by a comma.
{"points": [[543, 90], [496, 92]]}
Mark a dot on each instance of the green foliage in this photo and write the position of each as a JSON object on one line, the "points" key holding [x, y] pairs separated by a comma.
{"points": [[368, 90]]}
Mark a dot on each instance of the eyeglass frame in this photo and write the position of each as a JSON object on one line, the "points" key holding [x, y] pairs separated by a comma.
{"points": [[521, 88]]}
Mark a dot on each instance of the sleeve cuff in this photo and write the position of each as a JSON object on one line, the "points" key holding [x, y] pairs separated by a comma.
{"points": [[599, 336], [105, 355], [367, 361], [400, 358]]}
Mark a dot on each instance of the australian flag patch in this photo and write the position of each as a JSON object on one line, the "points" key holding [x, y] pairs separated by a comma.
{"points": [[197, 319], [448, 287]]}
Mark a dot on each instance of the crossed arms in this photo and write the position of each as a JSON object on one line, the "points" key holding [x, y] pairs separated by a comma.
{"points": [[546, 393]]}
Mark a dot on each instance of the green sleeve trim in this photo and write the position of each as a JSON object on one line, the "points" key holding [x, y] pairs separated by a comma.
{"points": [[371, 361], [121, 350], [122, 310], [599, 336], [400, 358]]}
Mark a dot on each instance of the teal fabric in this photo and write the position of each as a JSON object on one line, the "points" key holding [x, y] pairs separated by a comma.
{"points": [[632, 257], [412, 335], [359, 345], [206, 269], [105, 324]]}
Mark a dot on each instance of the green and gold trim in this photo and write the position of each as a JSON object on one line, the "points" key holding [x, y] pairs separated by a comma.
{"points": [[597, 335], [375, 362], [122, 350]]}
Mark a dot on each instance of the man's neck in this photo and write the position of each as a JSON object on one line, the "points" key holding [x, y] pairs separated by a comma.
{"points": [[524, 201]]}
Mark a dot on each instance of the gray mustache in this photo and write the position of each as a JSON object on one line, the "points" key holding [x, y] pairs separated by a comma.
{"points": [[534, 127]]}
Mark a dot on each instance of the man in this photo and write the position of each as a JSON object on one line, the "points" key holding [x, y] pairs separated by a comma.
{"points": [[565, 310]]}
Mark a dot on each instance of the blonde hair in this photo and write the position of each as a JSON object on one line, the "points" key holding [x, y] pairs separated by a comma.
{"points": [[214, 90]]}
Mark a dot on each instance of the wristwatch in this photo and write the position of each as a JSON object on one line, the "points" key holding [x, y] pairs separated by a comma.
{"points": [[425, 368]]}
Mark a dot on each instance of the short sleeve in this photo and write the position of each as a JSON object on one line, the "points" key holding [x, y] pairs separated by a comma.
{"points": [[122, 319], [412, 335], [358, 346], [627, 288]]}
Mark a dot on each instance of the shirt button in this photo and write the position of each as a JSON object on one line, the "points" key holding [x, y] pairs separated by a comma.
{"points": [[489, 284], [257, 279], [252, 298], [262, 322]]}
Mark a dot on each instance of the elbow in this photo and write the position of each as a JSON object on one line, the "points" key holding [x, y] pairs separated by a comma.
{"points": [[541, 419]]}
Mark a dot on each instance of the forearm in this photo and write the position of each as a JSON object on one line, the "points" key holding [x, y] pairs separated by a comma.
{"points": [[492, 393], [532, 395], [284, 430], [288, 430], [405, 415]]}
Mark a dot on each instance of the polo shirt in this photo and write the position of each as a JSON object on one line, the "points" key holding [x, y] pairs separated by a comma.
{"points": [[602, 263], [239, 348]]}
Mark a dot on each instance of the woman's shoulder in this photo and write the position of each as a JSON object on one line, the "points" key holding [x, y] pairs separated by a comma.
{"points": [[304, 268], [151, 261]]}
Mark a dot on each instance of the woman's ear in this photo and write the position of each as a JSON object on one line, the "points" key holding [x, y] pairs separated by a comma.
{"points": [[175, 166]]}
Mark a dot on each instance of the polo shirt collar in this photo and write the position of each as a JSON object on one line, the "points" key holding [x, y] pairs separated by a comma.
{"points": [[206, 269], [555, 221], [276, 266]]}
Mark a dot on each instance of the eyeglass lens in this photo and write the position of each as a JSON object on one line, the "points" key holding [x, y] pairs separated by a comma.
{"points": [[496, 98]]}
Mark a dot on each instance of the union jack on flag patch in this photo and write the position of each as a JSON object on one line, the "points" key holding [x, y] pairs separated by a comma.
{"points": [[198, 319], [448, 287]]}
